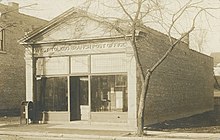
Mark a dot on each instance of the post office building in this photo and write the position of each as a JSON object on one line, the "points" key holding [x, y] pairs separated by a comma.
{"points": [[82, 67]]}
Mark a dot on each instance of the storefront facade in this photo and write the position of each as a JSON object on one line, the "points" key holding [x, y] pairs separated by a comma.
{"points": [[85, 81]]}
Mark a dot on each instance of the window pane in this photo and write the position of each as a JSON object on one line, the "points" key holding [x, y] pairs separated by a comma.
{"points": [[83, 91], [106, 95], [108, 63], [79, 64], [52, 94], [54, 65]]}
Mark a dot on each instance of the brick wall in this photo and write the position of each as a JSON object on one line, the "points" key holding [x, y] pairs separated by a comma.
{"points": [[181, 86], [12, 64]]}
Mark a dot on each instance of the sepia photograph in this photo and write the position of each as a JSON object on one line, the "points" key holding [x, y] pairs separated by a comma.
{"points": [[109, 70]]}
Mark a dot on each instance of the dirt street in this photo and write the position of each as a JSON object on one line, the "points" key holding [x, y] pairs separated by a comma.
{"points": [[202, 126]]}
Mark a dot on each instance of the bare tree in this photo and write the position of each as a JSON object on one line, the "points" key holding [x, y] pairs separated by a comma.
{"points": [[152, 12], [154, 9]]}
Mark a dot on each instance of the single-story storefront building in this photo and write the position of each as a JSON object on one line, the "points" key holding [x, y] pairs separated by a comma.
{"points": [[81, 67]]}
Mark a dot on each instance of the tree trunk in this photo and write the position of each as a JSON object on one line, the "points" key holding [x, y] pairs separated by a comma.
{"points": [[140, 119], [145, 84]]}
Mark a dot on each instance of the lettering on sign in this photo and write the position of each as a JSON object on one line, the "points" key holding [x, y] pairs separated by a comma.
{"points": [[81, 47]]}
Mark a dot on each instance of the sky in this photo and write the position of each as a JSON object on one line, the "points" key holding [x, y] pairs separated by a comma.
{"points": [[48, 9]]}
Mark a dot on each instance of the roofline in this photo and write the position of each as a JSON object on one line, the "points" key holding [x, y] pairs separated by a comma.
{"points": [[59, 19], [76, 40], [47, 25]]}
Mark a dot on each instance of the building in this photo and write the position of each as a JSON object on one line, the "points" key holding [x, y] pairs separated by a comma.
{"points": [[13, 26], [84, 69], [216, 59]]}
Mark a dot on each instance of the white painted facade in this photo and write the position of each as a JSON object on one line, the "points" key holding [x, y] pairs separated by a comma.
{"points": [[88, 57], [53, 61]]}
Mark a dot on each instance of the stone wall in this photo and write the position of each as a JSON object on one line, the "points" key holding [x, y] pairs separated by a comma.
{"points": [[12, 64], [181, 86]]}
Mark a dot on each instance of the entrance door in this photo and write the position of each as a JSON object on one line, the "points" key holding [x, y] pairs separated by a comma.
{"points": [[78, 96]]}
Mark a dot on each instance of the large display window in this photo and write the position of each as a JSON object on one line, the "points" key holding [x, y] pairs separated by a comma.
{"points": [[102, 86], [52, 94], [109, 93]]}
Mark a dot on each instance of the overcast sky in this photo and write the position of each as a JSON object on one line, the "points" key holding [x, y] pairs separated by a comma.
{"points": [[48, 9]]}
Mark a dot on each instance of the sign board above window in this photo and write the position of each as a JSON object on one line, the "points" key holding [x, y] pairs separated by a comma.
{"points": [[89, 48]]}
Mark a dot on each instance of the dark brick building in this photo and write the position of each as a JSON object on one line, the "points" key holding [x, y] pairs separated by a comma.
{"points": [[84, 69], [13, 26], [182, 85]]}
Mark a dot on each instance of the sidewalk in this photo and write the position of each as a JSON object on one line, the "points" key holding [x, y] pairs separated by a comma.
{"points": [[86, 125], [152, 135], [49, 131]]}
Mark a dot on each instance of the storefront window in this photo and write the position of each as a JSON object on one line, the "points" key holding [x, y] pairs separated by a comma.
{"points": [[109, 93], [53, 65], [79, 64], [107, 63], [53, 94]]}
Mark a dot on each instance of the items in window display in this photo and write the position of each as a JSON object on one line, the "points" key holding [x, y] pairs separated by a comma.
{"points": [[108, 93], [106, 96], [120, 81]]}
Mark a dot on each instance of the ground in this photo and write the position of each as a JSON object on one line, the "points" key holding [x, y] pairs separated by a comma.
{"points": [[208, 122], [201, 126], [201, 123]]}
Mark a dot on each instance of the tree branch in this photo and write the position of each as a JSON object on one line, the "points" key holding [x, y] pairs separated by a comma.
{"points": [[169, 50], [125, 11]]}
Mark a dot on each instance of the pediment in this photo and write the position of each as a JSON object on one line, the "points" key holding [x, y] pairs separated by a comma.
{"points": [[77, 27]]}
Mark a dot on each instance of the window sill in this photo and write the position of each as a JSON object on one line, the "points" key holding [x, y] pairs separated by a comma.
{"points": [[2, 52]]}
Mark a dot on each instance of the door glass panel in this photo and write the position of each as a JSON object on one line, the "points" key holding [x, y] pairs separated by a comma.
{"points": [[83, 90], [109, 93]]}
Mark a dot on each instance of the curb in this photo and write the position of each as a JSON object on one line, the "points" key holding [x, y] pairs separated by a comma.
{"points": [[38, 134], [152, 135]]}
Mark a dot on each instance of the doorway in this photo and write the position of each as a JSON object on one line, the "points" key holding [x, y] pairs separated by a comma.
{"points": [[78, 96]]}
